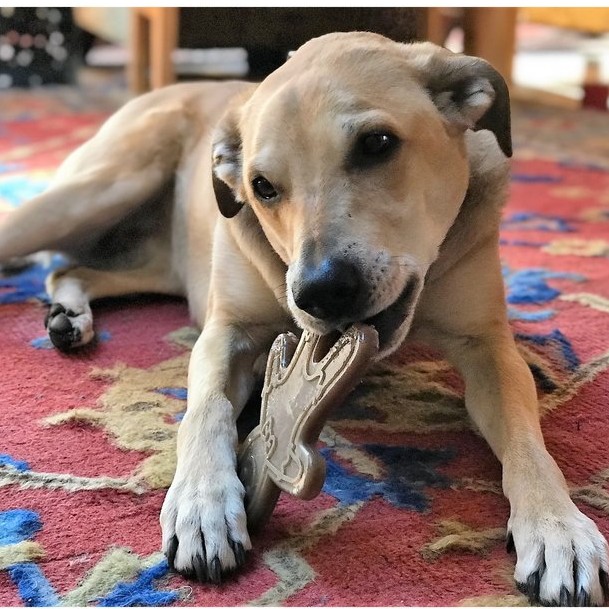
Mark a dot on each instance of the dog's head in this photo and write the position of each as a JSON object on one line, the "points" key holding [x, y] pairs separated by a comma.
{"points": [[352, 157]]}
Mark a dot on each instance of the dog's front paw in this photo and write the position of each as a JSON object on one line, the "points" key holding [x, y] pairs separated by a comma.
{"points": [[562, 558], [67, 328], [204, 526]]}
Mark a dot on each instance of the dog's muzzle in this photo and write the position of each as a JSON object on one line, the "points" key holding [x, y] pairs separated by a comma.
{"points": [[335, 292], [389, 320], [330, 291]]}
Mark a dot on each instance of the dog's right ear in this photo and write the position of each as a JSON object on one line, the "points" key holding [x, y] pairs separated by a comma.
{"points": [[226, 165]]}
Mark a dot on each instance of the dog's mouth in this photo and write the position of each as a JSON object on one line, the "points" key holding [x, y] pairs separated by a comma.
{"points": [[388, 323], [389, 320]]}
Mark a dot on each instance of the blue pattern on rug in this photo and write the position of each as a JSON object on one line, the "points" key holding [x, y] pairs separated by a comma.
{"points": [[17, 189], [530, 287], [534, 178], [33, 587], [556, 345], [521, 243], [28, 284], [534, 221], [17, 526], [44, 342], [142, 592], [7, 460], [179, 393], [409, 471]]}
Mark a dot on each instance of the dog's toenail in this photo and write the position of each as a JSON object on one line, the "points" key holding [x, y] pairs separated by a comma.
{"points": [[171, 551], [215, 571]]}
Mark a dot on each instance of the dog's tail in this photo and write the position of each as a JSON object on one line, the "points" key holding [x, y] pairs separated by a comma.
{"points": [[134, 154]]}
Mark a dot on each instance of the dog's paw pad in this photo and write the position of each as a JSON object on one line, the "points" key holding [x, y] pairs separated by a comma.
{"points": [[68, 329], [61, 331], [54, 310]]}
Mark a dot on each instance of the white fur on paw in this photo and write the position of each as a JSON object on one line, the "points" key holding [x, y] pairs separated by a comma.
{"points": [[204, 525], [561, 556]]}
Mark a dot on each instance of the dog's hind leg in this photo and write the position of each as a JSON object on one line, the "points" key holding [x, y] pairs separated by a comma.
{"points": [[68, 213], [69, 321], [123, 166]]}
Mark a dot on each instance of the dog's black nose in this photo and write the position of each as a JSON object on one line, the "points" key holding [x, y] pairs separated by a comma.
{"points": [[329, 290]]}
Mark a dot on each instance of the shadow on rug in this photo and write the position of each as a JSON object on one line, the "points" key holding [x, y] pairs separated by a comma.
{"points": [[413, 495]]}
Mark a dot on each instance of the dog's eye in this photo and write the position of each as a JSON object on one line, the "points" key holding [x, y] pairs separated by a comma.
{"points": [[371, 148], [263, 188], [377, 143]]}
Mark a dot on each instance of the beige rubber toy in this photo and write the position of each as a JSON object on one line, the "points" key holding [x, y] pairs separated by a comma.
{"points": [[304, 381]]}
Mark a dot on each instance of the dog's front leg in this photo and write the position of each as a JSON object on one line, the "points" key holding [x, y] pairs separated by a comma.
{"points": [[203, 518], [562, 558]]}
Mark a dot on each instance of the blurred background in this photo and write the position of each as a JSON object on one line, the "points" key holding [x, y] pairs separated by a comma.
{"points": [[556, 56]]}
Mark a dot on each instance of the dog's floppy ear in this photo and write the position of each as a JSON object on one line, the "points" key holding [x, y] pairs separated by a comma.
{"points": [[227, 203], [226, 165], [471, 94]]}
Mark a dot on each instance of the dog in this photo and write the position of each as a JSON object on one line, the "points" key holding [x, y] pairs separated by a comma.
{"points": [[361, 181]]}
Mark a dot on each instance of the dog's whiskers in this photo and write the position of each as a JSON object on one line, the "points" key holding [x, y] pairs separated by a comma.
{"points": [[400, 262], [282, 287], [281, 293]]}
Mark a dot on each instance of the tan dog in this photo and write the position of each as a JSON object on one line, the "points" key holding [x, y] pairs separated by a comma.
{"points": [[363, 180]]}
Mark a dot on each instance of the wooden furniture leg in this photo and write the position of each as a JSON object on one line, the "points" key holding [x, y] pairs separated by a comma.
{"points": [[435, 30], [438, 22], [163, 40], [490, 33], [154, 36], [140, 57]]}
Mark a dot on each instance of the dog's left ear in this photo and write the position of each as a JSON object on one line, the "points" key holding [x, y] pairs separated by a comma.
{"points": [[471, 94], [226, 165], [225, 198]]}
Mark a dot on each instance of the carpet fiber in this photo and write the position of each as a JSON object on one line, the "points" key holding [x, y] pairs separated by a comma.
{"points": [[411, 512]]}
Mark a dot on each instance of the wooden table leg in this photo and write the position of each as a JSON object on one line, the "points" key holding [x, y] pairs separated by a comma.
{"points": [[490, 33], [163, 41], [437, 23], [137, 73], [154, 36]]}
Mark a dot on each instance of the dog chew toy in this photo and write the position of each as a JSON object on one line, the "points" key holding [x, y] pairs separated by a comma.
{"points": [[305, 380]]}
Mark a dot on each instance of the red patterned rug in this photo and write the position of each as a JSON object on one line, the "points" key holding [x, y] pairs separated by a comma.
{"points": [[411, 513]]}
